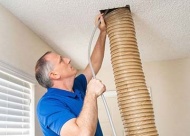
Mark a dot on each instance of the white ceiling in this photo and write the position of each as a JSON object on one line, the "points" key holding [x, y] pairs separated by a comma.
{"points": [[162, 26]]}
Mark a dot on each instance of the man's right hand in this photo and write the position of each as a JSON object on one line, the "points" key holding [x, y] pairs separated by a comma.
{"points": [[96, 87]]}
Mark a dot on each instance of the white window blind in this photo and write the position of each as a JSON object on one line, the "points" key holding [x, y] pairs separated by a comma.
{"points": [[16, 110]]}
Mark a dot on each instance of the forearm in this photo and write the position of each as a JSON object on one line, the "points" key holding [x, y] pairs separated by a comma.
{"points": [[98, 52], [85, 124], [87, 120]]}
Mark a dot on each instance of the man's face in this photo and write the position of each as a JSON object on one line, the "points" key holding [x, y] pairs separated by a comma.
{"points": [[61, 65]]}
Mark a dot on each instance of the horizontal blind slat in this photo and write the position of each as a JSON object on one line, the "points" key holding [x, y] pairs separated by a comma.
{"points": [[10, 111], [14, 135], [14, 126], [9, 122], [14, 91], [14, 81], [13, 86], [16, 120], [9, 97], [13, 117], [5, 103], [13, 131]]}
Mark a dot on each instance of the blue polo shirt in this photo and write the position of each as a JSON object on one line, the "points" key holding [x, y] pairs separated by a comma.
{"points": [[58, 106]]}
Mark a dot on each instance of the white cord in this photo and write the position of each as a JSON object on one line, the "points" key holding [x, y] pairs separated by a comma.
{"points": [[94, 76]]}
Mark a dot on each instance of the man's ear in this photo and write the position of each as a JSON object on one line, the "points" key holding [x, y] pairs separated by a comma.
{"points": [[54, 75]]}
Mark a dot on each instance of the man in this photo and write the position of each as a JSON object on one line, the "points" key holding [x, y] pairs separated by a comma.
{"points": [[69, 107]]}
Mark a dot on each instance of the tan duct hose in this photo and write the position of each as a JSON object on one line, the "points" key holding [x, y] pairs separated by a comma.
{"points": [[132, 93]]}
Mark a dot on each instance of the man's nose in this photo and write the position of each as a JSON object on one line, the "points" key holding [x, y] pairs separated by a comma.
{"points": [[67, 60]]}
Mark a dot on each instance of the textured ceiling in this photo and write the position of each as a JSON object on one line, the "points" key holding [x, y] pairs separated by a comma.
{"points": [[162, 26]]}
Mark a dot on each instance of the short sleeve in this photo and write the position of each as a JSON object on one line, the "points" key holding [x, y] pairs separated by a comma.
{"points": [[80, 83], [54, 114]]}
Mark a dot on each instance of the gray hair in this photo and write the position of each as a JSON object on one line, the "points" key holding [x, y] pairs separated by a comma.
{"points": [[42, 70]]}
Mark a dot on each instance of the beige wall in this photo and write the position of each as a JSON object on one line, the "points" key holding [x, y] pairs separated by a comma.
{"points": [[169, 82], [170, 85], [20, 48]]}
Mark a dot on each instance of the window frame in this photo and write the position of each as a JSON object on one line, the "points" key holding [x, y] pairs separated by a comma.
{"points": [[31, 80]]}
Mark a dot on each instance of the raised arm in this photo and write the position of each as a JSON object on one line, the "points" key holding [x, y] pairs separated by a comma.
{"points": [[98, 52], [85, 124]]}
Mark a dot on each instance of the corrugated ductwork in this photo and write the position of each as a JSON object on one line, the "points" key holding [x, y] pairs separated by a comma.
{"points": [[133, 97]]}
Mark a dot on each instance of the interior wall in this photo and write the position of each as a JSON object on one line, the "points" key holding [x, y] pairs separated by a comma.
{"points": [[111, 101], [20, 48], [169, 82]]}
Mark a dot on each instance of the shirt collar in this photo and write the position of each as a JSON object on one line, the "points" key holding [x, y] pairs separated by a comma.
{"points": [[57, 91]]}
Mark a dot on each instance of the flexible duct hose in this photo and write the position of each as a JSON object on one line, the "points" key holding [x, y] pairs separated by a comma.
{"points": [[133, 97]]}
